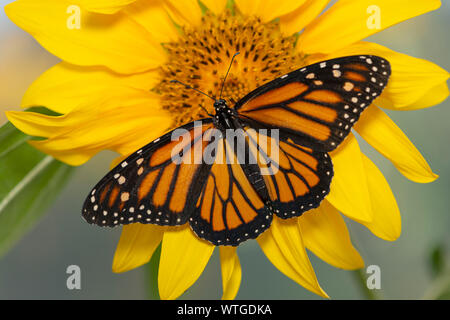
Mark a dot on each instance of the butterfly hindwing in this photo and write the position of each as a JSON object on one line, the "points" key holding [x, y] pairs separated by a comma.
{"points": [[234, 204], [149, 186], [317, 105], [297, 178]]}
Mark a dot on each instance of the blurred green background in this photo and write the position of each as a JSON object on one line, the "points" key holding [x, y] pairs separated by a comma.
{"points": [[36, 267]]}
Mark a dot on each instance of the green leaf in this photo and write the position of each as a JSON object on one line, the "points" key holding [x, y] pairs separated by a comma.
{"points": [[30, 181], [445, 295], [439, 288], [437, 260], [44, 110], [203, 7], [10, 138]]}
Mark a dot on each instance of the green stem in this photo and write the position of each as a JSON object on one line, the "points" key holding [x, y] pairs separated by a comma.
{"points": [[438, 288], [152, 275], [361, 279]]}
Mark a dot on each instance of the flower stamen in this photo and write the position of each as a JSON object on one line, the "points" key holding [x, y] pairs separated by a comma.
{"points": [[201, 59]]}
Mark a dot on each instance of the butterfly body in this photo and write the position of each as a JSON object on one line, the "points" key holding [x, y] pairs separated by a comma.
{"points": [[281, 167], [225, 116]]}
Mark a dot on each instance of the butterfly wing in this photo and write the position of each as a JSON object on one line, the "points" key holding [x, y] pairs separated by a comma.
{"points": [[234, 203], [149, 186], [297, 178], [316, 106]]}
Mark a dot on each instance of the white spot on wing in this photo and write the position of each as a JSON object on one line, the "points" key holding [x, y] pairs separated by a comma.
{"points": [[125, 196], [337, 73]]}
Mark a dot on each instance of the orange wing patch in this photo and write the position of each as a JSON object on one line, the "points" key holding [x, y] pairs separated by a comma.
{"points": [[325, 96], [355, 76], [357, 66], [105, 192], [218, 223], [162, 190], [319, 112], [146, 184], [282, 118], [113, 196], [278, 95]]}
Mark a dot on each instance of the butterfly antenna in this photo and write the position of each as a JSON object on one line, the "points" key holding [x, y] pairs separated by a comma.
{"points": [[226, 75], [189, 87]]}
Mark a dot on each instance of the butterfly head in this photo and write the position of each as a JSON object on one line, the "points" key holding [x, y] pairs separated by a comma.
{"points": [[220, 104]]}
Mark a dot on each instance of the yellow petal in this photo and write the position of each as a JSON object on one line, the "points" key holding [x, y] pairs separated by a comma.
{"points": [[66, 86], [216, 6], [268, 10], [35, 124], [348, 190], [414, 83], [433, 97], [283, 245], [298, 19], [103, 6], [231, 272], [115, 41], [384, 135], [155, 19], [123, 120], [324, 233], [136, 246], [386, 223], [185, 12], [349, 21], [183, 258]]}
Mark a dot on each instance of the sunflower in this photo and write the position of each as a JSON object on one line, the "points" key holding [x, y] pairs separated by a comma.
{"points": [[113, 91]]}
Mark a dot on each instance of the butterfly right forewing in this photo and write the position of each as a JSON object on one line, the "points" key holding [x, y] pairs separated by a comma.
{"points": [[317, 105]]}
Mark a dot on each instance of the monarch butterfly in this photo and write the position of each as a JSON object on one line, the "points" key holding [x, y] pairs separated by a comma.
{"points": [[227, 202]]}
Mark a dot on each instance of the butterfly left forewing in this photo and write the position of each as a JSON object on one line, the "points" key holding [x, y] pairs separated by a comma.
{"points": [[317, 105], [149, 186]]}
